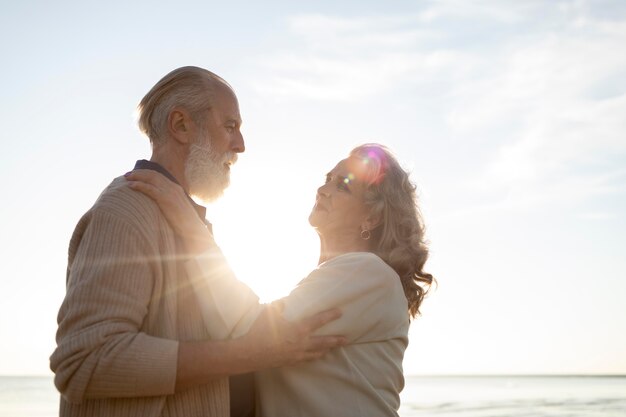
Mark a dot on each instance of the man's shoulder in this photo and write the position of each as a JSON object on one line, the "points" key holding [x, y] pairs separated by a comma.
{"points": [[120, 211], [129, 206]]}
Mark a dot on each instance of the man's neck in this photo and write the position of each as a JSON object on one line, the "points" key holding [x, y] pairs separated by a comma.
{"points": [[173, 163], [155, 166]]}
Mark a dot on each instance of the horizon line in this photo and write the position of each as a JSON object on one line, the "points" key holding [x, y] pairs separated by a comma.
{"points": [[442, 375]]}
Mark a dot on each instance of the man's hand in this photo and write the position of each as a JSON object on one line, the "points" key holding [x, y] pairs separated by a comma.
{"points": [[273, 341]]}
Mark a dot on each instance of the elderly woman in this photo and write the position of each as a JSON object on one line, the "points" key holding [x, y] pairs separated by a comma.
{"points": [[371, 266]]}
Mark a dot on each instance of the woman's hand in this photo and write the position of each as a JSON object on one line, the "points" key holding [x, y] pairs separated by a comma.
{"points": [[176, 207]]}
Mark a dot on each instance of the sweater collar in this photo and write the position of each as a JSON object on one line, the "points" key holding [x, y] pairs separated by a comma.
{"points": [[145, 164]]}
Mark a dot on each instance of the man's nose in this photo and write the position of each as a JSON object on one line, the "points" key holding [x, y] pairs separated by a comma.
{"points": [[237, 143]]}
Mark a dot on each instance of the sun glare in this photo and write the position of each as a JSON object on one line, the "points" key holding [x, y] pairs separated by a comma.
{"points": [[271, 250], [269, 266]]}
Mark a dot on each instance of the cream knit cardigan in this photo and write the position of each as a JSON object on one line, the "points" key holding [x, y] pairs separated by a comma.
{"points": [[362, 379], [128, 303]]}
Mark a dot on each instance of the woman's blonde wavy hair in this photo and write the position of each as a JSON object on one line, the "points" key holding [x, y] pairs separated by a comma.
{"points": [[399, 237]]}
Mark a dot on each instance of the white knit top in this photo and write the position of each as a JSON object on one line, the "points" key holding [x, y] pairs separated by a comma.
{"points": [[363, 378]]}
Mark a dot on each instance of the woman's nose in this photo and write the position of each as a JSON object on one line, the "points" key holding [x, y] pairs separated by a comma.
{"points": [[322, 191]]}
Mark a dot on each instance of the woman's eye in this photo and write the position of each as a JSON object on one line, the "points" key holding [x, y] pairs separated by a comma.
{"points": [[342, 184]]}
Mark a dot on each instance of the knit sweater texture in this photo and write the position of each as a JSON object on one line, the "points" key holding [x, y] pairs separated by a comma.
{"points": [[128, 303]]}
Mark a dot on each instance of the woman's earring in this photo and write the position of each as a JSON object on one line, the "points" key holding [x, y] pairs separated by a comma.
{"points": [[365, 234]]}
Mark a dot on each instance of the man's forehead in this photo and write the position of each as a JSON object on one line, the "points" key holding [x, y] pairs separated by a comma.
{"points": [[225, 101], [223, 90]]}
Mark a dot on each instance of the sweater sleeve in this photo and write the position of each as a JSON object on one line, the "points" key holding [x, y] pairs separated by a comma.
{"points": [[360, 284], [101, 352], [229, 307]]}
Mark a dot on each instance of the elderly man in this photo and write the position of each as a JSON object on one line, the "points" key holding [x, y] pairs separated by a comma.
{"points": [[131, 338]]}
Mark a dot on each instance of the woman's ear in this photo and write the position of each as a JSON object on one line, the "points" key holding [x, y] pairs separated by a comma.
{"points": [[371, 222]]}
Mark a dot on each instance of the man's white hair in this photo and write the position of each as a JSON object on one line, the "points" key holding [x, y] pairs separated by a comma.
{"points": [[191, 88]]}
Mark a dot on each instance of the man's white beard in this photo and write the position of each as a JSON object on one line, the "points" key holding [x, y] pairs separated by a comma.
{"points": [[206, 172]]}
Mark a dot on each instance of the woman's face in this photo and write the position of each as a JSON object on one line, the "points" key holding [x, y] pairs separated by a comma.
{"points": [[339, 206]]}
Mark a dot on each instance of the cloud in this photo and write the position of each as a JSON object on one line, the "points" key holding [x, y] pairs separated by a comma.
{"points": [[542, 87], [351, 79], [348, 59], [596, 215], [501, 11], [331, 33], [564, 96]]}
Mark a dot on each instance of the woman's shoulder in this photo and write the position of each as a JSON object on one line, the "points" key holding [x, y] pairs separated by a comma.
{"points": [[365, 258], [363, 264]]}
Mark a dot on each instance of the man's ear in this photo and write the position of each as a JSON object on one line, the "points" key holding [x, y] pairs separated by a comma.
{"points": [[180, 126]]}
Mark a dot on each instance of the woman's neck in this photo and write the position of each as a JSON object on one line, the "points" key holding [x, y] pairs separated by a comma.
{"points": [[331, 247]]}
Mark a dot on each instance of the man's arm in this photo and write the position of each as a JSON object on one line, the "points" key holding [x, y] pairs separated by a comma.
{"points": [[102, 353], [271, 342], [260, 336]]}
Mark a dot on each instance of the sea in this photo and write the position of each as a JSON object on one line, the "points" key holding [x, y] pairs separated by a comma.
{"points": [[437, 396]]}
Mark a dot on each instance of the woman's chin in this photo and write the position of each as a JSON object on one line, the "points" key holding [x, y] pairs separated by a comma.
{"points": [[312, 218], [316, 218]]}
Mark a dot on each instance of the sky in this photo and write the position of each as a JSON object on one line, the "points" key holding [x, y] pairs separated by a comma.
{"points": [[510, 116]]}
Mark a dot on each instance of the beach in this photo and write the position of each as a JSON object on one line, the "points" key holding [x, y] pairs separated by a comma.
{"points": [[514, 396], [442, 396]]}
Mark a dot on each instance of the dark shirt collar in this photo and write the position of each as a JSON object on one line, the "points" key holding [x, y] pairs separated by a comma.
{"points": [[145, 164]]}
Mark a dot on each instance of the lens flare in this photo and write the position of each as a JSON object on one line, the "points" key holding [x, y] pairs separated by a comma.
{"points": [[373, 164]]}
